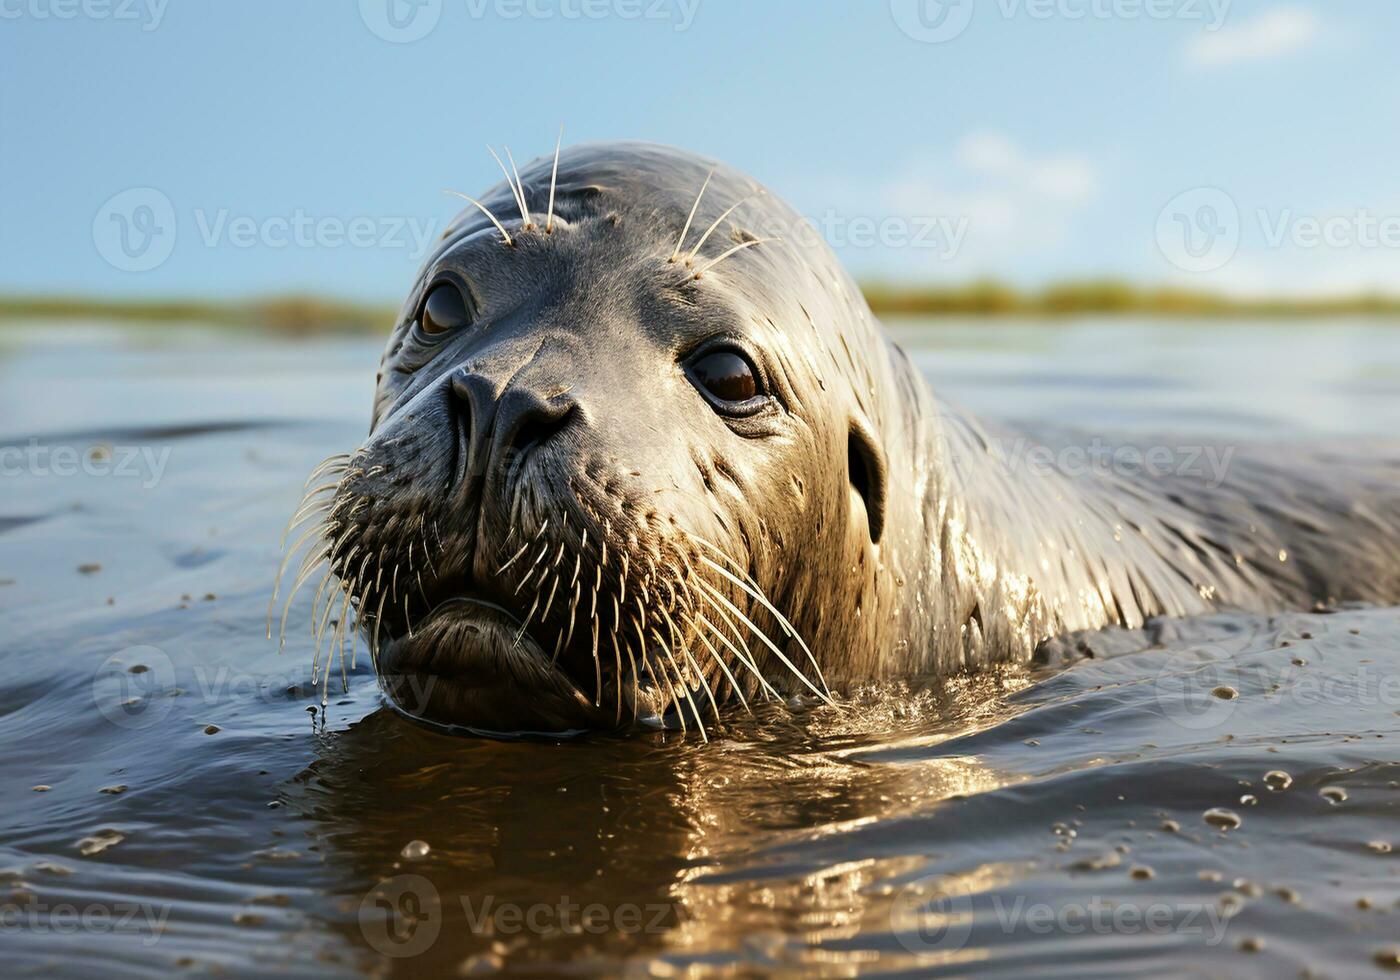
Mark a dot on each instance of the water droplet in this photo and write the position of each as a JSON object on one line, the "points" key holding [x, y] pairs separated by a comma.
{"points": [[415, 850], [1141, 872], [1379, 846], [1251, 944], [1249, 799], [1225, 692]]}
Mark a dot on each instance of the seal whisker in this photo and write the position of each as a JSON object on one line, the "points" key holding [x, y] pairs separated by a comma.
{"points": [[727, 212], [378, 621], [513, 557], [520, 186], [554, 587], [685, 687], [752, 589], [515, 191], [680, 242], [553, 179], [314, 559], [617, 667], [282, 570], [720, 597], [573, 611], [337, 461], [746, 656], [730, 251], [486, 211], [597, 670], [733, 684]]}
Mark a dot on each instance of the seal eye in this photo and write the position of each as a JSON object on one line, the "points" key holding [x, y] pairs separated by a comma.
{"points": [[725, 374], [444, 309]]}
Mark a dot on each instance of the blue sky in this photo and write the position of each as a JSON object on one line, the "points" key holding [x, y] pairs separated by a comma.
{"points": [[175, 147]]}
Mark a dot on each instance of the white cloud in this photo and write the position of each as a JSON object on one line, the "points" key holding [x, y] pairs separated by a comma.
{"points": [[1014, 208], [1269, 35], [992, 154]]}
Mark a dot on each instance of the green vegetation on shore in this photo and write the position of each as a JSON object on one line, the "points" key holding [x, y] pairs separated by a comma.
{"points": [[311, 314], [279, 314], [1110, 298]]}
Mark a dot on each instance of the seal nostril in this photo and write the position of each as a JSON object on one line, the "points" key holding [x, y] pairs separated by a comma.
{"points": [[537, 426]]}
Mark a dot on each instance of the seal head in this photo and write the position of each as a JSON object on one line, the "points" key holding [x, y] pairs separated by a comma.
{"points": [[616, 449]]}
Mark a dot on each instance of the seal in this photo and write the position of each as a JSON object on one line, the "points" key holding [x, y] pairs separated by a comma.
{"points": [[640, 450]]}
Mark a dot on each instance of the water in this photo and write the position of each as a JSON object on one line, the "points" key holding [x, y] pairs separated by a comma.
{"points": [[1035, 820]]}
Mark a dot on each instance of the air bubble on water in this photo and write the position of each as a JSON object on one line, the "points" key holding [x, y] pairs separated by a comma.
{"points": [[1277, 779], [415, 850], [1219, 816], [1333, 794]]}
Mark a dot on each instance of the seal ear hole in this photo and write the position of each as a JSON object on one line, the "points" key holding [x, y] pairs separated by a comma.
{"points": [[865, 468]]}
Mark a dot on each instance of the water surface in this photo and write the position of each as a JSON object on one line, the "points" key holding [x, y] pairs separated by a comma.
{"points": [[173, 800]]}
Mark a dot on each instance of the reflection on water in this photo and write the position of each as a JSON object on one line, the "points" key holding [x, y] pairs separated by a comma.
{"points": [[166, 776]]}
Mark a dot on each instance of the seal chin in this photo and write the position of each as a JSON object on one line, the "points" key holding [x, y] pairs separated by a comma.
{"points": [[469, 666]]}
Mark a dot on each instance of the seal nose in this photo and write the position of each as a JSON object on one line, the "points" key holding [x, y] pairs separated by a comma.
{"points": [[524, 421], [500, 428]]}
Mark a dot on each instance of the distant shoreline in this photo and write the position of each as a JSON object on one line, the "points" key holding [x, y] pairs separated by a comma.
{"points": [[315, 315]]}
